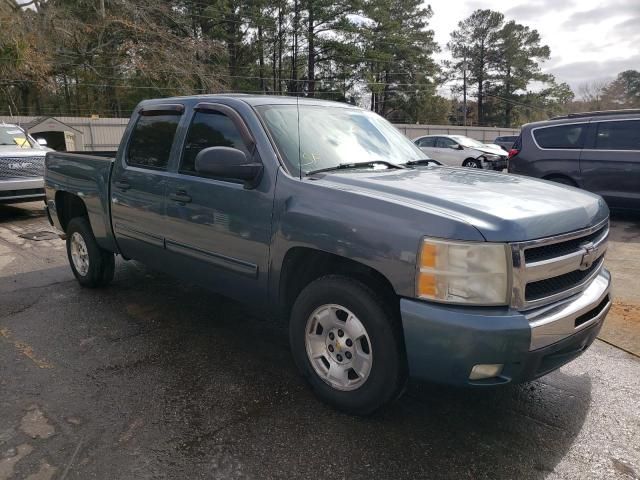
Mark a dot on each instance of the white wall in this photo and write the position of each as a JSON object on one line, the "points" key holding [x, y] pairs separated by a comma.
{"points": [[105, 133]]}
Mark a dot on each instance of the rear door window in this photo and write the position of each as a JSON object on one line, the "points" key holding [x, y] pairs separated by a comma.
{"points": [[444, 142], [427, 142], [560, 136], [151, 141], [622, 135]]}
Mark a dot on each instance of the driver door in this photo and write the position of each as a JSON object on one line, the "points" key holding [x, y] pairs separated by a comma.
{"points": [[218, 231]]}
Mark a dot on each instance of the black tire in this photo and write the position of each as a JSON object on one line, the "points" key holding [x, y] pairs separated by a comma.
{"points": [[388, 374], [472, 163], [101, 262]]}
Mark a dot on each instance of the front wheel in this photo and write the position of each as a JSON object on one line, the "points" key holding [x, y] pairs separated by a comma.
{"points": [[347, 343], [92, 265], [472, 163]]}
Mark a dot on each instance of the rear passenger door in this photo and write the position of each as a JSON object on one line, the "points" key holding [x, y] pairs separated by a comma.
{"points": [[450, 156], [139, 182], [427, 145], [610, 162]]}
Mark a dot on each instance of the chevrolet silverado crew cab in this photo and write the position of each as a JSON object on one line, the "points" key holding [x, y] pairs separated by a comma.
{"points": [[21, 165], [385, 264]]}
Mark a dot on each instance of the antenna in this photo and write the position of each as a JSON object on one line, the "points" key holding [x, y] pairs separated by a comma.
{"points": [[299, 147]]}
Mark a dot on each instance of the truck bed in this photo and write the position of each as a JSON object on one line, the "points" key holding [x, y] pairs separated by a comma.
{"points": [[85, 175]]}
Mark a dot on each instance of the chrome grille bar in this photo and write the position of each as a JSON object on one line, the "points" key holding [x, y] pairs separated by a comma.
{"points": [[580, 251]]}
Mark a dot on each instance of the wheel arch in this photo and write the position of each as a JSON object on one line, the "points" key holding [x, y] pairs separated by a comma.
{"points": [[303, 265], [68, 206], [555, 176]]}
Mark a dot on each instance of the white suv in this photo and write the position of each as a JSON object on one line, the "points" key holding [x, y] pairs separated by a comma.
{"points": [[458, 150]]}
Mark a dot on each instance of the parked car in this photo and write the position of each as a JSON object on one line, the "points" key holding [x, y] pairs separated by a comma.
{"points": [[21, 165], [506, 142], [461, 151], [385, 265], [596, 151]]}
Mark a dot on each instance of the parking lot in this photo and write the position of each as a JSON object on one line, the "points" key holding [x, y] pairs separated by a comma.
{"points": [[151, 378]]}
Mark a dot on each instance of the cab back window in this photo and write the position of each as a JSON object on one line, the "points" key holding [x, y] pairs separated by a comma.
{"points": [[561, 136], [151, 141]]}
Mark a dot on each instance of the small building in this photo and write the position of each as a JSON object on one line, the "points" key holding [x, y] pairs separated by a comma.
{"points": [[59, 135], [89, 134]]}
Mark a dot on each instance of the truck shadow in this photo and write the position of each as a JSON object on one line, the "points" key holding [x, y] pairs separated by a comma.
{"points": [[21, 211], [625, 227], [174, 380], [230, 387]]}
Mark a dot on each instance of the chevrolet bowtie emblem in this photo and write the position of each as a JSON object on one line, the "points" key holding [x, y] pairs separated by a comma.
{"points": [[589, 256]]}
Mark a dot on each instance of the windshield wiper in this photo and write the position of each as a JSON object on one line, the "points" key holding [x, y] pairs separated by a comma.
{"points": [[422, 161], [346, 166]]}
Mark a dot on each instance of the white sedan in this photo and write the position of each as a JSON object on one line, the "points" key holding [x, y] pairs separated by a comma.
{"points": [[458, 150]]}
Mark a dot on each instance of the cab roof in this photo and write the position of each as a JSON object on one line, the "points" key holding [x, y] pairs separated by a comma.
{"points": [[253, 100]]}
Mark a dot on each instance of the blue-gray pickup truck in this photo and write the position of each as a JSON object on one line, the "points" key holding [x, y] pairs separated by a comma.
{"points": [[385, 264]]}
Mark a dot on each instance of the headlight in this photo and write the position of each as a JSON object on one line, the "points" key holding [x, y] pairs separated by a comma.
{"points": [[470, 273], [491, 158]]}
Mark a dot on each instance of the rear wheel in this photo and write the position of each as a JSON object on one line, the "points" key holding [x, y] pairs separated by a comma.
{"points": [[347, 344], [92, 265]]}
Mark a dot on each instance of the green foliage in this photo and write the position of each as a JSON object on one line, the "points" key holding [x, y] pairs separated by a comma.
{"points": [[624, 91]]}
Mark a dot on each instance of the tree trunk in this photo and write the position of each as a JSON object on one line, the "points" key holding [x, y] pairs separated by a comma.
{"points": [[24, 99], [263, 86], [311, 52], [294, 53], [280, 41]]}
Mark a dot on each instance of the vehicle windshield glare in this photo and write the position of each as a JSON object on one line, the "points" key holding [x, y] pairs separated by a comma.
{"points": [[467, 142], [333, 136], [15, 137]]}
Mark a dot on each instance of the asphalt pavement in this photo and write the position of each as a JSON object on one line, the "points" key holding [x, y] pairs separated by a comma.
{"points": [[152, 378]]}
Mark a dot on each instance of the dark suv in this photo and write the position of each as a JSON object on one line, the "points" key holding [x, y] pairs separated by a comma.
{"points": [[597, 151]]}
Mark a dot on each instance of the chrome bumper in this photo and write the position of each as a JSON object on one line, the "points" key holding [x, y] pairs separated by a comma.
{"points": [[557, 321], [21, 184]]}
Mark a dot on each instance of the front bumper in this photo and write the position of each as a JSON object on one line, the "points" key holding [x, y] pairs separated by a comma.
{"points": [[21, 190], [443, 343], [495, 164]]}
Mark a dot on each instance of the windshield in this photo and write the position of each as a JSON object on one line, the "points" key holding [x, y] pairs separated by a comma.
{"points": [[15, 137], [467, 142], [330, 136]]}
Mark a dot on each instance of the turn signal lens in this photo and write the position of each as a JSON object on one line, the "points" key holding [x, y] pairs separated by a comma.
{"points": [[463, 272]]}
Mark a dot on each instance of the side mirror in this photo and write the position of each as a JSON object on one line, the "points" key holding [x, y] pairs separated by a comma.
{"points": [[456, 147], [42, 142], [227, 162]]}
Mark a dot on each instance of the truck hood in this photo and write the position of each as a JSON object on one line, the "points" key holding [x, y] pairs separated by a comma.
{"points": [[503, 208], [492, 149]]}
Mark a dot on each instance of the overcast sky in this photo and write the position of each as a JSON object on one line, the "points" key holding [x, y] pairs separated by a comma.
{"points": [[589, 39]]}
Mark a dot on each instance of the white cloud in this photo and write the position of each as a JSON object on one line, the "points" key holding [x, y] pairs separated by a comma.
{"points": [[589, 39]]}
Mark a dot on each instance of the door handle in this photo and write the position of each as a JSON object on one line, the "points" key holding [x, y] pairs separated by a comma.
{"points": [[122, 185], [180, 196]]}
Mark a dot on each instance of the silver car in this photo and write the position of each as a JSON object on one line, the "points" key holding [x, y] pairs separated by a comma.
{"points": [[21, 165], [461, 151]]}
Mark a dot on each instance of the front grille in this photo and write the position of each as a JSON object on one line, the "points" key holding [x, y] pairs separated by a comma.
{"points": [[21, 167], [555, 285], [553, 268], [545, 252]]}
